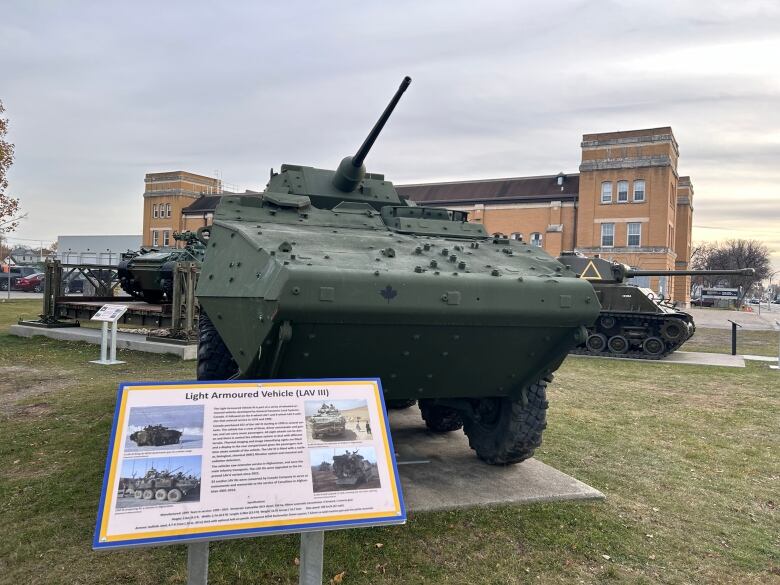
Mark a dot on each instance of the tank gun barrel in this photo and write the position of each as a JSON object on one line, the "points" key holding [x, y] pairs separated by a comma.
{"points": [[361, 153], [740, 272], [351, 169]]}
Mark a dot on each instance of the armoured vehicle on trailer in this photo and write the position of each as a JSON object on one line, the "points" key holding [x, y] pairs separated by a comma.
{"points": [[352, 468], [330, 274], [147, 275], [634, 322], [155, 436], [327, 422]]}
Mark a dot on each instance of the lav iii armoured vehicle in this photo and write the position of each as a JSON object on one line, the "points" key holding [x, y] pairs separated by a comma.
{"points": [[351, 468], [155, 436], [162, 485], [633, 322], [327, 422], [330, 274], [147, 275]]}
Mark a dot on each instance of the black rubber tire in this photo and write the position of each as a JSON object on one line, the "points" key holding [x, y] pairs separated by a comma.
{"points": [[214, 359], [440, 419], [516, 430], [608, 322], [175, 495], [399, 404], [653, 346], [672, 330], [160, 495]]}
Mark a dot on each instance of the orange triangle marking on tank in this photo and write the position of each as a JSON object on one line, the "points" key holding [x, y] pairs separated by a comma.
{"points": [[591, 272]]}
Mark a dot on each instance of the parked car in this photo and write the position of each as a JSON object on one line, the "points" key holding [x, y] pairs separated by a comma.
{"points": [[13, 274], [74, 285], [32, 283]]}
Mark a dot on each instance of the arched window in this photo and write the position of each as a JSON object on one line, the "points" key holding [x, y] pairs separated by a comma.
{"points": [[517, 236], [536, 239]]}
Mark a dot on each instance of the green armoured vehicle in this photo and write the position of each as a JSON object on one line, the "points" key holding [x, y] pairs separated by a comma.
{"points": [[327, 422], [164, 485], [155, 436], [352, 469], [330, 274], [634, 322], [147, 275]]}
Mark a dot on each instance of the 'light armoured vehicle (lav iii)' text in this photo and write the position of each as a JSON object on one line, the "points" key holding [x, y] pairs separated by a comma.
{"points": [[633, 322], [330, 274], [352, 468], [155, 436], [148, 275], [327, 422]]}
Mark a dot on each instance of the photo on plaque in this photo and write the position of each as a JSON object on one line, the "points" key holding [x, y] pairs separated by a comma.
{"points": [[334, 470], [159, 481], [335, 421], [164, 428]]}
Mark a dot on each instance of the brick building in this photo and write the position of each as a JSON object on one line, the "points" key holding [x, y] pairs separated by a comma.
{"points": [[626, 203]]}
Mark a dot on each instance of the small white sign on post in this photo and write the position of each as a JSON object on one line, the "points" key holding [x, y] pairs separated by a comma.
{"points": [[108, 314]]}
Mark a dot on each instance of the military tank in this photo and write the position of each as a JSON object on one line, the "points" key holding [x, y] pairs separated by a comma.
{"points": [[163, 485], [634, 322], [352, 468], [330, 274], [155, 436], [147, 275], [327, 422]]}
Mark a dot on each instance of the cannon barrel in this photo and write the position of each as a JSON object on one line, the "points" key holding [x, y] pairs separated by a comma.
{"points": [[351, 169], [739, 272], [361, 153]]}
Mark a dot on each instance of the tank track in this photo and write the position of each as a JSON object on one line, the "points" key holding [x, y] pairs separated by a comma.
{"points": [[635, 319]]}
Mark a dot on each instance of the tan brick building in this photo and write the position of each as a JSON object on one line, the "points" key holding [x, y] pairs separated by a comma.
{"points": [[626, 203]]}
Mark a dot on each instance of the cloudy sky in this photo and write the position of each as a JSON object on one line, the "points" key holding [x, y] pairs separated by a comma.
{"points": [[100, 93]]}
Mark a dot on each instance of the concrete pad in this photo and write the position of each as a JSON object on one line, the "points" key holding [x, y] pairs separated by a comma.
{"points": [[760, 358], [123, 340], [439, 471], [691, 358]]}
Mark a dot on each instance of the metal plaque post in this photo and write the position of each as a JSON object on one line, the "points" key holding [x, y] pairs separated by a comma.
{"points": [[734, 326], [312, 544], [108, 314], [198, 563]]}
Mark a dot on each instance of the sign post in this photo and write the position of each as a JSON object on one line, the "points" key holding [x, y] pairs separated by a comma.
{"points": [[777, 367], [108, 314], [191, 462]]}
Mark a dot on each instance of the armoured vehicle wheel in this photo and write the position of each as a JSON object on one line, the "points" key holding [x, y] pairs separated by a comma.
{"points": [[174, 495], [138, 494], [618, 344], [653, 346], [160, 494], [148, 494], [596, 342], [608, 322], [399, 404], [672, 331], [504, 431], [214, 359], [440, 419]]}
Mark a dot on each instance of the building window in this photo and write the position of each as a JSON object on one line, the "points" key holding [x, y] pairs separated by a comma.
{"points": [[607, 235], [634, 235], [517, 236], [154, 210], [166, 238], [168, 210], [536, 239], [155, 238], [639, 191], [622, 191], [606, 192]]}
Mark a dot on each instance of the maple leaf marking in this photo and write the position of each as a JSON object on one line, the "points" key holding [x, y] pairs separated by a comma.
{"points": [[388, 293]]}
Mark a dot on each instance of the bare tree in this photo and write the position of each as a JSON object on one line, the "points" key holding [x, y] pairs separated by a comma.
{"points": [[731, 255]]}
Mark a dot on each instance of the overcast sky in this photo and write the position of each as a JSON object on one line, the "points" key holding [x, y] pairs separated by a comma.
{"points": [[100, 93]]}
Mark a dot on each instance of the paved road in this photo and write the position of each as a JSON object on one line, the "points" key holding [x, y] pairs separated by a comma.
{"points": [[719, 318]]}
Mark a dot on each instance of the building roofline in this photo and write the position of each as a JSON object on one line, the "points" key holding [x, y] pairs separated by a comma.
{"points": [[462, 181]]}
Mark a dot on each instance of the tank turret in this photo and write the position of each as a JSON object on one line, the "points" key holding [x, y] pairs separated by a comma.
{"points": [[330, 274], [634, 321]]}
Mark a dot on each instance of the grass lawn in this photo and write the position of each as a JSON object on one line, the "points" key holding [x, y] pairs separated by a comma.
{"points": [[748, 342], [687, 457]]}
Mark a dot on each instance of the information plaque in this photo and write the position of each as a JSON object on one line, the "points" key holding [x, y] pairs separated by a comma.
{"points": [[192, 461], [109, 313]]}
